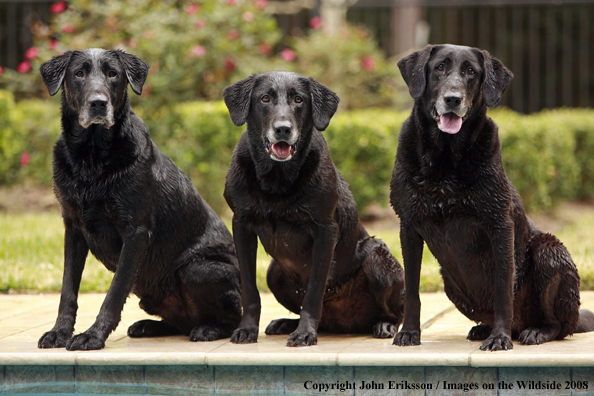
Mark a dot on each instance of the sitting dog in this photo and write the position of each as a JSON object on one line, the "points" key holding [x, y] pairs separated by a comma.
{"points": [[284, 188], [450, 191], [135, 210]]}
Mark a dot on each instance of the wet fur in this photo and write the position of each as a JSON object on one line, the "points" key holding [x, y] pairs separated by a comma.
{"points": [[451, 192], [324, 265], [137, 212]]}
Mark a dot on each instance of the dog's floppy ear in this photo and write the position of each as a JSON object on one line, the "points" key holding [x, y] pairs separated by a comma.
{"points": [[54, 70], [324, 103], [238, 97], [412, 68], [497, 78], [136, 70]]}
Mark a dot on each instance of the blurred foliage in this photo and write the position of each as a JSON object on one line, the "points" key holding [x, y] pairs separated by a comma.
{"points": [[196, 48], [546, 155], [28, 131], [363, 146], [352, 65]]}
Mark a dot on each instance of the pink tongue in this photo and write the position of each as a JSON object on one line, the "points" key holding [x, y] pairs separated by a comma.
{"points": [[450, 123], [281, 149]]}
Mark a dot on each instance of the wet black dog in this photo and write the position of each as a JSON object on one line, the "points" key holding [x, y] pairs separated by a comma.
{"points": [[135, 210], [283, 188], [451, 191]]}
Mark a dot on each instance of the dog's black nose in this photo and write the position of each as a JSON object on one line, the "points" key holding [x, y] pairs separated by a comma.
{"points": [[282, 131], [453, 101], [98, 103]]}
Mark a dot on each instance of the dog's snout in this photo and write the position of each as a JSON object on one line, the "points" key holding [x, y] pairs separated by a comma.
{"points": [[453, 101], [282, 130], [98, 102]]}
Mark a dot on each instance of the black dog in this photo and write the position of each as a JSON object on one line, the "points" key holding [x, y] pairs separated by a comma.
{"points": [[451, 191], [283, 188], [135, 210]]}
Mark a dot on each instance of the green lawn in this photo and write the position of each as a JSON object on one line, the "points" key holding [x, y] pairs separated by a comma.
{"points": [[31, 251]]}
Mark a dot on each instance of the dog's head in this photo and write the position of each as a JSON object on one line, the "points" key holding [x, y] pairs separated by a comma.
{"points": [[452, 81], [281, 109], [94, 82]]}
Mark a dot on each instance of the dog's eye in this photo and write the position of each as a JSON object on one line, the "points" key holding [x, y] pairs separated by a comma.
{"points": [[112, 74], [79, 74], [471, 71], [298, 99], [265, 98], [440, 67]]}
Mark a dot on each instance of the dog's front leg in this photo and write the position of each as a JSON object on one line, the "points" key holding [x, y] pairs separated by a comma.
{"points": [[503, 252], [412, 254], [75, 254], [323, 250], [134, 248], [246, 243]]}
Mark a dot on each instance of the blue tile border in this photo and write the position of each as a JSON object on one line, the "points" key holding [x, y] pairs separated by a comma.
{"points": [[297, 380]]}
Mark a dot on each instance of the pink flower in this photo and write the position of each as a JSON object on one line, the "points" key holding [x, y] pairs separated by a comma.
{"points": [[248, 16], [133, 43], [316, 22], [264, 48], [1, 70], [198, 51], [233, 34], [24, 67], [200, 23], [148, 34], [261, 4], [231, 2], [31, 53], [146, 91], [58, 7], [287, 55], [192, 9], [53, 44], [368, 63], [229, 64], [25, 158], [68, 28]]}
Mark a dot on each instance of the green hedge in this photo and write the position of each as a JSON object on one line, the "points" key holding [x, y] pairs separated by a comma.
{"points": [[549, 156]]}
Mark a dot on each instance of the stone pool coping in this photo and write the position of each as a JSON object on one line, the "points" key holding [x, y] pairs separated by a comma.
{"points": [[23, 318]]}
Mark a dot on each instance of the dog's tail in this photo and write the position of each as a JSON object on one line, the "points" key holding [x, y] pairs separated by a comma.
{"points": [[586, 322]]}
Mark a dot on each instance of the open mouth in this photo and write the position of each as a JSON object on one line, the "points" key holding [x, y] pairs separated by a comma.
{"points": [[449, 122], [281, 150]]}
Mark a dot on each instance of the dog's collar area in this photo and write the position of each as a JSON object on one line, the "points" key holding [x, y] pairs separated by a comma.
{"points": [[281, 150]]}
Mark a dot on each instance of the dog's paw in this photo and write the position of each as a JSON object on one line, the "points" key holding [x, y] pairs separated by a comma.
{"points": [[479, 333], [282, 326], [498, 342], [384, 330], [142, 328], [536, 336], [303, 338], [407, 338], [205, 333], [85, 342], [246, 335], [54, 339]]}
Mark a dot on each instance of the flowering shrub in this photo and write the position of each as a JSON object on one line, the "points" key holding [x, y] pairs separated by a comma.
{"points": [[194, 48], [352, 65]]}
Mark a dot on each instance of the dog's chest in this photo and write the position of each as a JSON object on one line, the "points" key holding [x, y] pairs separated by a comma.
{"points": [[98, 222], [435, 200]]}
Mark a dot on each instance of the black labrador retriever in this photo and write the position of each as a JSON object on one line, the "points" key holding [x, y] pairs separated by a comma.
{"points": [[284, 188], [450, 191], [135, 210]]}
